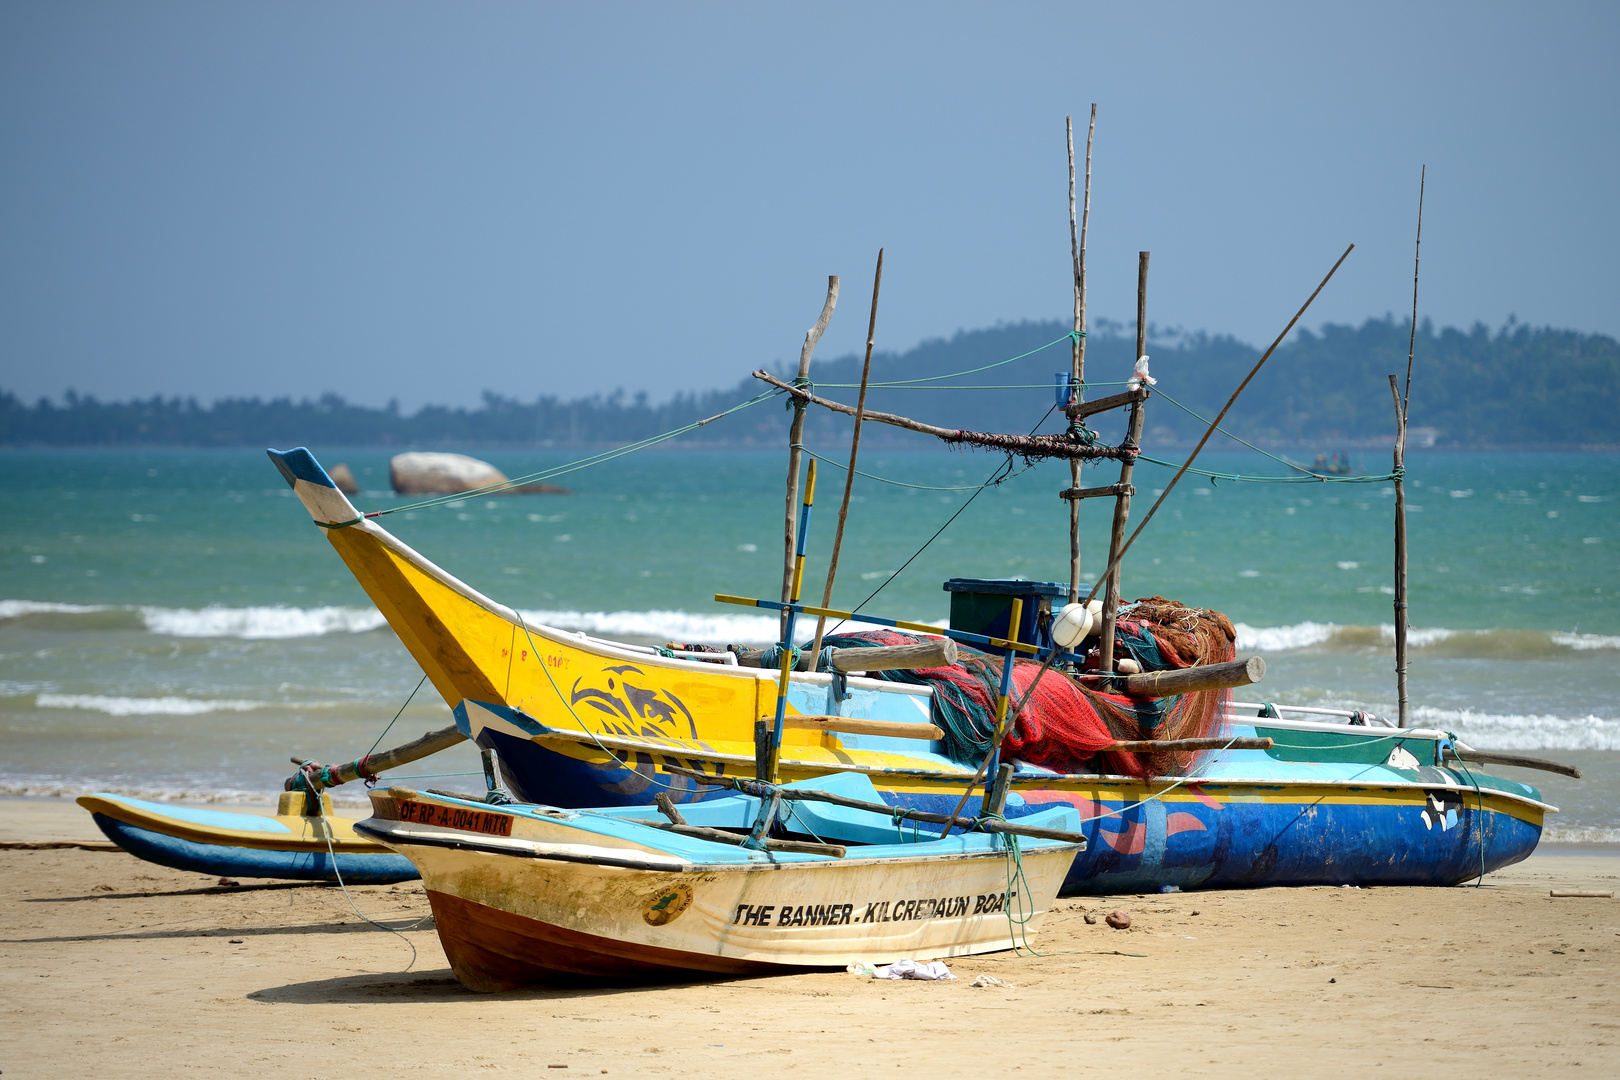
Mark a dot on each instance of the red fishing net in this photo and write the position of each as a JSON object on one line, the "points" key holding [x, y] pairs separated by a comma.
{"points": [[1066, 726]]}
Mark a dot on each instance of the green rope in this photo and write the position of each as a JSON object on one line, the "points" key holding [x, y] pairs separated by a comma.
{"points": [[1205, 420], [1313, 478], [902, 483], [1479, 807], [397, 715], [428, 775], [1331, 746], [573, 466], [1308, 477], [1073, 335], [993, 386]]}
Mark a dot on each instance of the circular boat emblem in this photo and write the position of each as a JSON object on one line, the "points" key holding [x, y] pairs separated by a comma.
{"points": [[668, 904]]}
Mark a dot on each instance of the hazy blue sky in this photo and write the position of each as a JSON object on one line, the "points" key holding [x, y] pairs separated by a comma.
{"points": [[425, 201]]}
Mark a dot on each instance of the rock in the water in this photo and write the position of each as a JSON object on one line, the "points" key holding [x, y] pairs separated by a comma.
{"points": [[1118, 920], [447, 474], [344, 479]]}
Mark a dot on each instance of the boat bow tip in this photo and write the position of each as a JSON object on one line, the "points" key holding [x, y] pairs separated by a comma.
{"points": [[314, 488]]}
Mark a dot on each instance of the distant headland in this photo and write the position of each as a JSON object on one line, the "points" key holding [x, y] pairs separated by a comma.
{"points": [[1515, 387]]}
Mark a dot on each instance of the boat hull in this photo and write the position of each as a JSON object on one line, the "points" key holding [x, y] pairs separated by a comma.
{"points": [[547, 901], [1286, 823]]}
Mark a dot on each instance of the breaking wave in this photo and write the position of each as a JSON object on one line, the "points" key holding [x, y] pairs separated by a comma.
{"points": [[155, 706], [1579, 834], [59, 787], [246, 623], [718, 629], [1498, 643], [282, 622], [252, 623], [1522, 731]]}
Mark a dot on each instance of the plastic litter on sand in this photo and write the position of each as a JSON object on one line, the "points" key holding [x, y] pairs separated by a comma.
{"points": [[903, 969]]}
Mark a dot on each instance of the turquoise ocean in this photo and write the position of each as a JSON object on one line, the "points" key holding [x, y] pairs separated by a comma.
{"points": [[173, 626]]}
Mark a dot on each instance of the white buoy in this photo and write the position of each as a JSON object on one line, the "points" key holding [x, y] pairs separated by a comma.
{"points": [[1072, 625]]}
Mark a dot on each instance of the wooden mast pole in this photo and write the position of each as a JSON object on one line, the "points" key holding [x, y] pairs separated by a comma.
{"points": [[1077, 365], [1122, 501], [795, 437], [1402, 400], [849, 477]]}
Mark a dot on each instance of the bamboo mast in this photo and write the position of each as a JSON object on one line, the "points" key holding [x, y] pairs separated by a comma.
{"points": [[1122, 501], [849, 477], [1402, 400], [1077, 365], [796, 434]]}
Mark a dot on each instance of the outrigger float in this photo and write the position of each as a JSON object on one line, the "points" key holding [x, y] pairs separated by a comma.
{"points": [[293, 844]]}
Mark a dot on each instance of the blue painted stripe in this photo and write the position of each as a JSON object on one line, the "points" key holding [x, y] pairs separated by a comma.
{"points": [[220, 861], [299, 464]]}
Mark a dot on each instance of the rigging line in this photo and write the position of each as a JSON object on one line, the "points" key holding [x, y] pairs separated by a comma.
{"points": [[994, 386], [1234, 438], [397, 715], [574, 466], [623, 764], [1313, 478], [899, 483], [972, 371], [1116, 557], [396, 930], [1002, 474]]}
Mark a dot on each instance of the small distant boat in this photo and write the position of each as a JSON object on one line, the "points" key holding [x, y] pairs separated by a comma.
{"points": [[1337, 465], [292, 845], [530, 893]]}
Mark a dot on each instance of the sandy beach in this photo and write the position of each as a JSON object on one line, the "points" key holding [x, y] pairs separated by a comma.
{"points": [[114, 967]]}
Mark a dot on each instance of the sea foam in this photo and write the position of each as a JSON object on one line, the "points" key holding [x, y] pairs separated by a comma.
{"points": [[1522, 731], [134, 706], [718, 629], [1505, 643], [252, 623]]}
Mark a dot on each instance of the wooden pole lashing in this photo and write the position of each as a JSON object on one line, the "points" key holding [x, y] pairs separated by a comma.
{"points": [[854, 453]]}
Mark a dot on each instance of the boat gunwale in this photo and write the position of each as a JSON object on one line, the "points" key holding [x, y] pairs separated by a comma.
{"points": [[1031, 780], [453, 839]]}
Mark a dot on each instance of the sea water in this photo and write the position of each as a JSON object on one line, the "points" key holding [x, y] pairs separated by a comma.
{"points": [[172, 624]]}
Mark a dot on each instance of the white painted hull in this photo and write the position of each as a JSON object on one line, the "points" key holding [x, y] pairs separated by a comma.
{"points": [[547, 901]]}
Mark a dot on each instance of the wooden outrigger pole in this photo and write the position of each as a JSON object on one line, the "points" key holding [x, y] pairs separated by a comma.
{"points": [[1124, 490], [854, 453], [1077, 367], [796, 436], [1401, 400]]}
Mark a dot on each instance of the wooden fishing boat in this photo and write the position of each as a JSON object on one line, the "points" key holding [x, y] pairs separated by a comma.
{"points": [[533, 893], [292, 845], [583, 721]]}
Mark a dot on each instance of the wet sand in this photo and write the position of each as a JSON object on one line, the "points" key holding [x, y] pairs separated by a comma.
{"points": [[113, 967]]}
